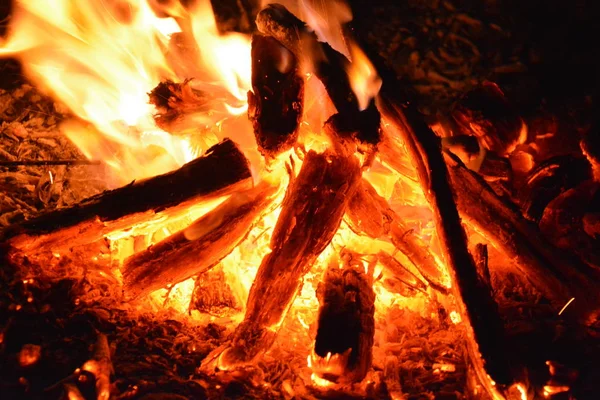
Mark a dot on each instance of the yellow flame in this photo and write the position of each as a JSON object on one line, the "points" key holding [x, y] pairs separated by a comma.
{"points": [[363, 77], [100, 59]]}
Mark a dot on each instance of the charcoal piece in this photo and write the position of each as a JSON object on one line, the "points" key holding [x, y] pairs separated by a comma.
{"points": [[346, 325], [275, 103]]}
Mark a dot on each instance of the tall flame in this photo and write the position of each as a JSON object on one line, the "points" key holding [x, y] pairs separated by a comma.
{"points": [[101, 58]]}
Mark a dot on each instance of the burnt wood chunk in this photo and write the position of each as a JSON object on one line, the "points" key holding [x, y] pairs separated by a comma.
{"points": [[222, 170], [485, 330], [369, 213], [558, 275], [325, 63], [486, 113], [312, 211], [199, 247], [400, 272], [346, 325], [549, 179], [173, 101], [275, 103]]}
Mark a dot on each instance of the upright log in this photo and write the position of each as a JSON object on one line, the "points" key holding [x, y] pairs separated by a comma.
{"points": [[199, 247], [275, 103], [484, 326], [311, 214], [346, 325], [222, 170]]}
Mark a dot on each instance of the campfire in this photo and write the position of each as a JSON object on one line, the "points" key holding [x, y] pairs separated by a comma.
{"points": [[279, 192]]}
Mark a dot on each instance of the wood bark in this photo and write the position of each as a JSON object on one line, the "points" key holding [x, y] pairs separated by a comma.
{"points": [[484, 326], [199, 247], [311, 213], [275, 103], [325, 63], [222, 170], [369, 213], [346, 325]]}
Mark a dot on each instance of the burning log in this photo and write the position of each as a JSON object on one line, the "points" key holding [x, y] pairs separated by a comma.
{"points": [[311, 213], [327, 64], [368, 212], [484, 326], [199, 247], [481, 262], [400, 272], [275, 105], [346, 325], [164, 195]]}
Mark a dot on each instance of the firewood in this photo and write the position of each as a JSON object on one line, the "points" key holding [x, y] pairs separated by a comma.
{"points": [[549, 179], [222, 170], [562, 222], [481, 262], [590, 145], [346, 325], [325, 63], [486, 113], [478, 309], [495, 168], [400, 273], [311, 213], [558, 275], [369, 213], [275, 103], [199, 247]]}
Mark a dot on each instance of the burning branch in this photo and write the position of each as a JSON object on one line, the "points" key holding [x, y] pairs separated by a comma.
{"points": [[164, 195], [199, 247], [485, 329], [311, 214], [368, 212]]}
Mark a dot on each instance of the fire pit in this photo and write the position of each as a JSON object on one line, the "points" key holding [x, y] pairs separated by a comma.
{"points": [[267, 214]]}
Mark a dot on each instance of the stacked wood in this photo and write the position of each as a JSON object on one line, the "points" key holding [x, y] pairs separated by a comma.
{"points": [[199, 247], [346, 325], [311, 213], [162, 196], [369, 213], [326, 64], [275, 103]]}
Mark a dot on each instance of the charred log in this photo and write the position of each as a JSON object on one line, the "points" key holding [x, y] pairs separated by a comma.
{"points": [[327, 64], [346, 325], [484, 325], [165, 195], [311, 214], [486, 113], [590, 145], [275, 103], [481, 262], [369, 213], [197, 248], [549, 179]]}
